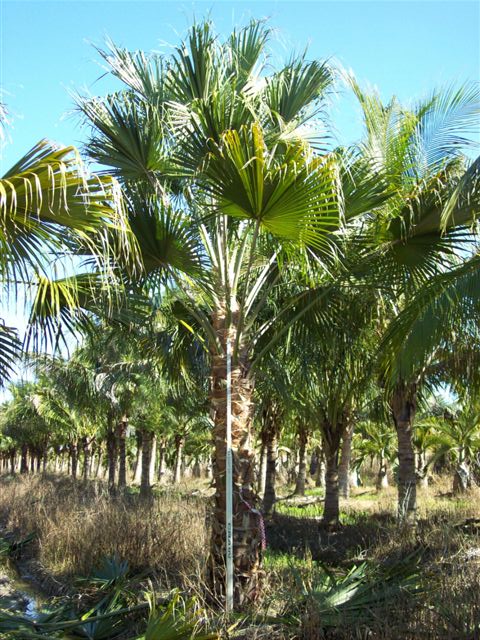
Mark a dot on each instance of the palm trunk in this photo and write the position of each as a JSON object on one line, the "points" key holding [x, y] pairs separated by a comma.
{"points": [[246, 525], [461, 476], [112, 459], [145, 488], [161, 462], [13, 458], [422, 470], [320, 472], [98, 467], [122, 453], [177, 474], [153, 460], [271, 471], [32, 455], [382, 476], [344, 466], [403, 406], [302, 462], [196, 469], [332, 437], [137, 474], [331, 512], [74, 459], [262, 468], [86, 444]]}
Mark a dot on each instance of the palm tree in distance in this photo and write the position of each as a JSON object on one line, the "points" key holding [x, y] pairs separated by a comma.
{"points": [[231, 198]]}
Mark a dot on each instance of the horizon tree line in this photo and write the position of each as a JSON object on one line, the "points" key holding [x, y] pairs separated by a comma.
{"points": [[224, 215]]}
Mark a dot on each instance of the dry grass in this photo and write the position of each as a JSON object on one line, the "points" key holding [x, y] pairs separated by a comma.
{"points": [[77, 526], [449, 560]]}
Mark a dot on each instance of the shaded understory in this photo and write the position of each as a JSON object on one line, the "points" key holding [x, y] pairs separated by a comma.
{"points": [[163, 545]]}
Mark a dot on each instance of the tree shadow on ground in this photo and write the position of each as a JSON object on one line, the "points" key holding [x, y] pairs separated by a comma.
{"points": [[297, 536]]}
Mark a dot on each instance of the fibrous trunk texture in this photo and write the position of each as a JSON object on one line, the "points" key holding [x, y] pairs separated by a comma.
{"points": [[331, 510], [247, 523], [302, 461], [403, 406], [332, 434]]}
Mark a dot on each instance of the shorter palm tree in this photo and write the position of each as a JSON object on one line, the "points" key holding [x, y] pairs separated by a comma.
{"points": [[458, 439], [374, 441]]}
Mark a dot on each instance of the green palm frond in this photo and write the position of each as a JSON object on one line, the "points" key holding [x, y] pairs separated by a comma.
{"points": [[244, 50], [47, 196], [294, 94], [464, 202], [447, 124], [145, 75], [128, 135], [10, 351], [451, 300], [297, 198], [165, 235], [64, 306], [350, 599], [180, 620]]}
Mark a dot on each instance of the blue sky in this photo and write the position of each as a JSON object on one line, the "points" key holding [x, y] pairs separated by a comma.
{"points": [[404, 48]]}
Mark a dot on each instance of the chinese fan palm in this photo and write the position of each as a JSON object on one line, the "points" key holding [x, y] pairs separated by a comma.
{"points": [[230, 184]]}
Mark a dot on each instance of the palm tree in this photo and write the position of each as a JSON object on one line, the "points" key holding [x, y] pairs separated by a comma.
{"points": [[223, 190], [273, 394], [458, 438], [419, 229], [374, 440], [23, 422]]}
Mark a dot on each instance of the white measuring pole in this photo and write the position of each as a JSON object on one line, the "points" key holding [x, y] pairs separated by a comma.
{"points": [[229, 487]]}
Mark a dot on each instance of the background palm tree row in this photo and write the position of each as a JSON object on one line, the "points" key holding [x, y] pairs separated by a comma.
{"points": [[241, 224]]}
